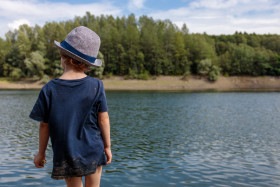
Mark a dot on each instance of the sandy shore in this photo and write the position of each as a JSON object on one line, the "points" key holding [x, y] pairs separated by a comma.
{"points": [[173, 83]]}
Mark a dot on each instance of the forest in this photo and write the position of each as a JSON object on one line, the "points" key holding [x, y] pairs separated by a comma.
{"points": [[140, 49]]}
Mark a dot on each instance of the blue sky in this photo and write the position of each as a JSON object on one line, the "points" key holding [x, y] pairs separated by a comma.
{"points": [[210, 16]]}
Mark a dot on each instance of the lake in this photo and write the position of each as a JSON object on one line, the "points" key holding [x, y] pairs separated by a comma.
{"points": [[160, 139]]}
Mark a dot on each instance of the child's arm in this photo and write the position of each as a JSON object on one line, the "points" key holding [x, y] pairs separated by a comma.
{"points": [[39, 159], [104, 123]]}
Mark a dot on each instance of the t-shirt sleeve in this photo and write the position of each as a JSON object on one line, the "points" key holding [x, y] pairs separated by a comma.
{"points": [[40, 111], [102, 102]]}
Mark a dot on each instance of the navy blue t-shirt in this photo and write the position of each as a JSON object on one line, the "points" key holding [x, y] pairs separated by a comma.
{"points": [[70, 107]]}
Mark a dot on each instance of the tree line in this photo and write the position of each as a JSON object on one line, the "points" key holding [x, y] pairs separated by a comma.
{"points": [[140, 48]]}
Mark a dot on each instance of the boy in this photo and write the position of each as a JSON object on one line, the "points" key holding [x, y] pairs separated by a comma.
{"points": [[72, 110]]}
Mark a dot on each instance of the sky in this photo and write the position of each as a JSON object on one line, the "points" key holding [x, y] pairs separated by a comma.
{"points": [[210, 16]]}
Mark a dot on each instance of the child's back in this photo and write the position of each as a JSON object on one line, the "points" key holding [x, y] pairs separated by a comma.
{"points": [[73, 124]]}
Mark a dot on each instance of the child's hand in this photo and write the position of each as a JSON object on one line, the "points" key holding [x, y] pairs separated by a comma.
{"points": [[109, 155], [39, 160]]}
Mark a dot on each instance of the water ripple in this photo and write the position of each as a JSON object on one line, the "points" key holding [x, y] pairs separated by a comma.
{"points": [[161, 139]]}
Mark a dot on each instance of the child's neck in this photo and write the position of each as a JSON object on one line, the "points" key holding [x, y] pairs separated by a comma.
{"points": [[71, 74]]}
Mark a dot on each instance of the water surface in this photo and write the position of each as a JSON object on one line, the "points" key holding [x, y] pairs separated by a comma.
{"points": [[161, 139]]}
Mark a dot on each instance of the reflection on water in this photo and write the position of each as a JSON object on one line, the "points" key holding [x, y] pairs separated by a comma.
{"points": [[161, 139]]}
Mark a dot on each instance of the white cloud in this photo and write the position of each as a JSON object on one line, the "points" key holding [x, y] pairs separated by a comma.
{"points": [[15, 24], [35, 12], [51, 10], [214, 4], [134, 5], [211, 16], [226, 16]]}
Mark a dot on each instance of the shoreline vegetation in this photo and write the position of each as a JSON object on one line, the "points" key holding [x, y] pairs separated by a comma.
{"points": [[190, 83], [141, 48]]}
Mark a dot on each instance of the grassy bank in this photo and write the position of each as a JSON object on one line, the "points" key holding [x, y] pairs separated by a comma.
{"points": [[176, 83]]}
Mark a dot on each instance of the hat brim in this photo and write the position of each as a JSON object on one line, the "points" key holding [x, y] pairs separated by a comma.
{"points": [[97, 62]]}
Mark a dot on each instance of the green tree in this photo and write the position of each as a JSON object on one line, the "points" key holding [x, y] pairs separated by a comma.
{"points": [[98, 71], [214, 73], [242, 61], [225, 63], [53, 31], [199, 48], [132, 46], [239, 38], [24, 43], [141, 47], [35, 65], [16, 74], [3, 52], [204, 67], [181, 62], [13, 60], [150, 45]]}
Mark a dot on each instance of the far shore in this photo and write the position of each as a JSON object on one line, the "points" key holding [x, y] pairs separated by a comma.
{"points": [[171, 83]]}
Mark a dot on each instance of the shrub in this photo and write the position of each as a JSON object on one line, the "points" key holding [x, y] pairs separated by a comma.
{"points": [[44, 79], [204, 67], [214, 73], [36, 77], [131, 74], [185, 75], [144, 76], [109, 75], [126, 77], [16, 74], [35, 64]]}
